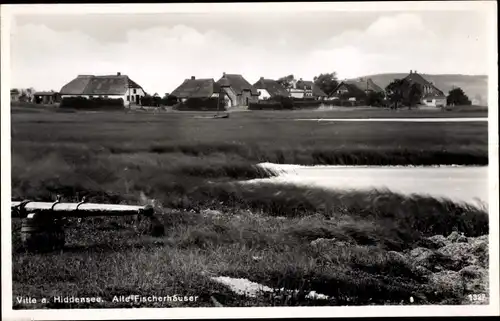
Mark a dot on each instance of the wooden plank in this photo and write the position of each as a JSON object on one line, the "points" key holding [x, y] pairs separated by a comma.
{"points": [[83, 209]]}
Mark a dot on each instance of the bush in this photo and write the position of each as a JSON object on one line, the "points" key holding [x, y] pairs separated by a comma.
{"points": [[92, 103], [286, 102], [200, 104], [375, 99], [148, 100], [169, 100]]}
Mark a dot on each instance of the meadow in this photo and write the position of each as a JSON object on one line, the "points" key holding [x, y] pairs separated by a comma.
{"points": [[372, 242]]}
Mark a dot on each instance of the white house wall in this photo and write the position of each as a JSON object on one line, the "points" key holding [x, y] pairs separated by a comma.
{"points": [[297, 93], [434, 102], [138, 91], [263, 94]]}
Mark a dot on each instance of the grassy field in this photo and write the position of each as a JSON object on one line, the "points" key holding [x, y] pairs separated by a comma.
{"points": [[375, 247]]}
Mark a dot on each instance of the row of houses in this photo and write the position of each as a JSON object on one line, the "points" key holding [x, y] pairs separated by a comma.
{"points": [[233, 88], [239, 92]]}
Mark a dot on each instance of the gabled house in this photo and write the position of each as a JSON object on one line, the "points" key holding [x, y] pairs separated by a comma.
{"points": [[269, 88], [197, 88], [431, 95], [237, 90], [305, 89], [110, 86], [356, 90]]}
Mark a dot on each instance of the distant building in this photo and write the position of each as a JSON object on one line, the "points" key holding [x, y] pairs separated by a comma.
{"points": [[269, 88], [14, 94], [46, 97], [305, 89], [238, 90], [431, 95], [356, 89], [197, 88], [110, 86]]}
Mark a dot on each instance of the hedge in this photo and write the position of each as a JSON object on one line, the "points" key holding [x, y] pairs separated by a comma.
{"points": [[92, 103], [201, 104], [299, 104], [281, 102], [265, 105]]}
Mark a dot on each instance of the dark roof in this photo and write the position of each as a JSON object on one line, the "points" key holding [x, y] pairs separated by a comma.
{"points": [[45, 93], [318, 92], [351, 87], [196, 88], [365, 84], [415, 78], [14, 91], [237, 83], [99, 85], [272, 87]]}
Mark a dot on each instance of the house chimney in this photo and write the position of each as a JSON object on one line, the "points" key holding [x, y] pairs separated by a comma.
{"points": [[411, 71], [193, 77], [261, 78], [224, 74], [118, 73]]}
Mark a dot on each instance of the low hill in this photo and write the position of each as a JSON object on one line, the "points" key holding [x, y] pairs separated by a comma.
{"points": [[476, 87]]}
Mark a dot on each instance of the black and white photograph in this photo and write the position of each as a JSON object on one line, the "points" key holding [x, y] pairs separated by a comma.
{"points": [[263, 156]]}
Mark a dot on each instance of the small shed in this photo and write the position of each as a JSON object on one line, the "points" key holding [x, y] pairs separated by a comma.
{"points": [[47, 97], [14, 94]]}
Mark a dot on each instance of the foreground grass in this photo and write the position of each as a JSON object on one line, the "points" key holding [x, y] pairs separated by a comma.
{"points": [[262, 232], [252, 137], [109, 256]]}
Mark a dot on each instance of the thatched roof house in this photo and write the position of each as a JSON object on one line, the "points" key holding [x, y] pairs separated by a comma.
{"points": [[238, 89], [197, 88], [109, 86], [356, 89], [268, 88]]}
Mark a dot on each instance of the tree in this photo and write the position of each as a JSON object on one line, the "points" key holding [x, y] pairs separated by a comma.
{"points": [[327, 82], [456, 96], [412, 94], [169, 100], [375, 99], [395, 92], [400, 91], [286, 81]]}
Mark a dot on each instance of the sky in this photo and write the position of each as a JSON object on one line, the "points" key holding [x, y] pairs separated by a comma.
{"points": [[159, 51]]}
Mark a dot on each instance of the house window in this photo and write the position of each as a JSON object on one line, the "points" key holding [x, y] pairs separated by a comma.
{"points": [[91, 97], [135, 91], [128, 98], [429, 100]]}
